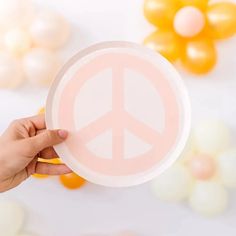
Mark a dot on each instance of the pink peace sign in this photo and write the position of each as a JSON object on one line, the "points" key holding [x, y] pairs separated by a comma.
{"points": [[118, 119]]}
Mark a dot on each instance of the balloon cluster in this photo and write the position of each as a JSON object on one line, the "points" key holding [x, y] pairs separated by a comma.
{"points": [[186, 30], [12, 217], [206, 168], [29, 40], [70, 181]]}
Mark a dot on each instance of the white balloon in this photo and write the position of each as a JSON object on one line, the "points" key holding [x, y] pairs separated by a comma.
{"points": [[2, 46], [208, 198], [17, 41], [11, 73], [212, 137], [174, 184], [227, 168], [41, 66], [11, 218], [15, 13], [50, 30]]}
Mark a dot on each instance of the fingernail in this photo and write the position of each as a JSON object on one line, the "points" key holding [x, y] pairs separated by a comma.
{"points": [[62, 133]]}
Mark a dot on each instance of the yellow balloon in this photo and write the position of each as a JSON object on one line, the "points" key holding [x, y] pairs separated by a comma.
{"points": [[222, 20], [202, 4], [39, 176], [199, 56], [161, 12], [41, 111], [166, 43]]}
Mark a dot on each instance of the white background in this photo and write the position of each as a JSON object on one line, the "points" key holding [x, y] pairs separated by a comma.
{"points": [[55, 211]]}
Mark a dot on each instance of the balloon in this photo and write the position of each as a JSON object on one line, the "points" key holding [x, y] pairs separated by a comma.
{"points": [[174, 184], [189, 21], [202, 166], [17, 41], [161, 12], [196, 23], [41, 111], [227, 168], [15, 13], [222, 20], [2, 46], [40, 176], [41, 66], [199, 56], [202, 4], [55, 161], [212, 137], [11, 73], [72, 181], [11, 218], [50, 30], [164, 42], [208, 198]]}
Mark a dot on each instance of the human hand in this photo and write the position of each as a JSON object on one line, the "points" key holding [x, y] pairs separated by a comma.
{"points": [[22, 144]]}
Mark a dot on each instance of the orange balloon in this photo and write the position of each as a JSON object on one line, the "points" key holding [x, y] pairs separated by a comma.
{"points": [[167, 43], [199, 56], [222, 20], [72, 181], [202, 4], [161, 12]]}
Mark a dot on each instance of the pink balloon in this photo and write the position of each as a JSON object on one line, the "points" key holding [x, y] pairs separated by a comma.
{"points": [[202, 166], [189, 21]]}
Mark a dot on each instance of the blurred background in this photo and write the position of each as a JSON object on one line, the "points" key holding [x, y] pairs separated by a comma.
{"points": [[55, 211]]}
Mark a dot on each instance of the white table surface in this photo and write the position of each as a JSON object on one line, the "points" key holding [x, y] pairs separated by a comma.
{"points": [[55, 211]]}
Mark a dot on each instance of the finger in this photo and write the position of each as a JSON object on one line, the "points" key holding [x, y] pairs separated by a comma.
{"points": [[48, 153], [38, 121], [27, 127], [40, 131], [46, 139], [51, 169]]}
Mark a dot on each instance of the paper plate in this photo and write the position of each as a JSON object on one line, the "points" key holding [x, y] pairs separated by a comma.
{"points": [[127, 112]]}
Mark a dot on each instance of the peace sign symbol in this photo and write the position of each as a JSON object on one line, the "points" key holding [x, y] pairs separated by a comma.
{"points": [[118, 168]]}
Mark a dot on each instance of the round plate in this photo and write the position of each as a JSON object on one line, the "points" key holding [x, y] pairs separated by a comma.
{"points": [[127, 112]]}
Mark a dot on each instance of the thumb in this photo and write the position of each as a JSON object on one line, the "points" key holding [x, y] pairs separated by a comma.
{"points": [[46, 139]]}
